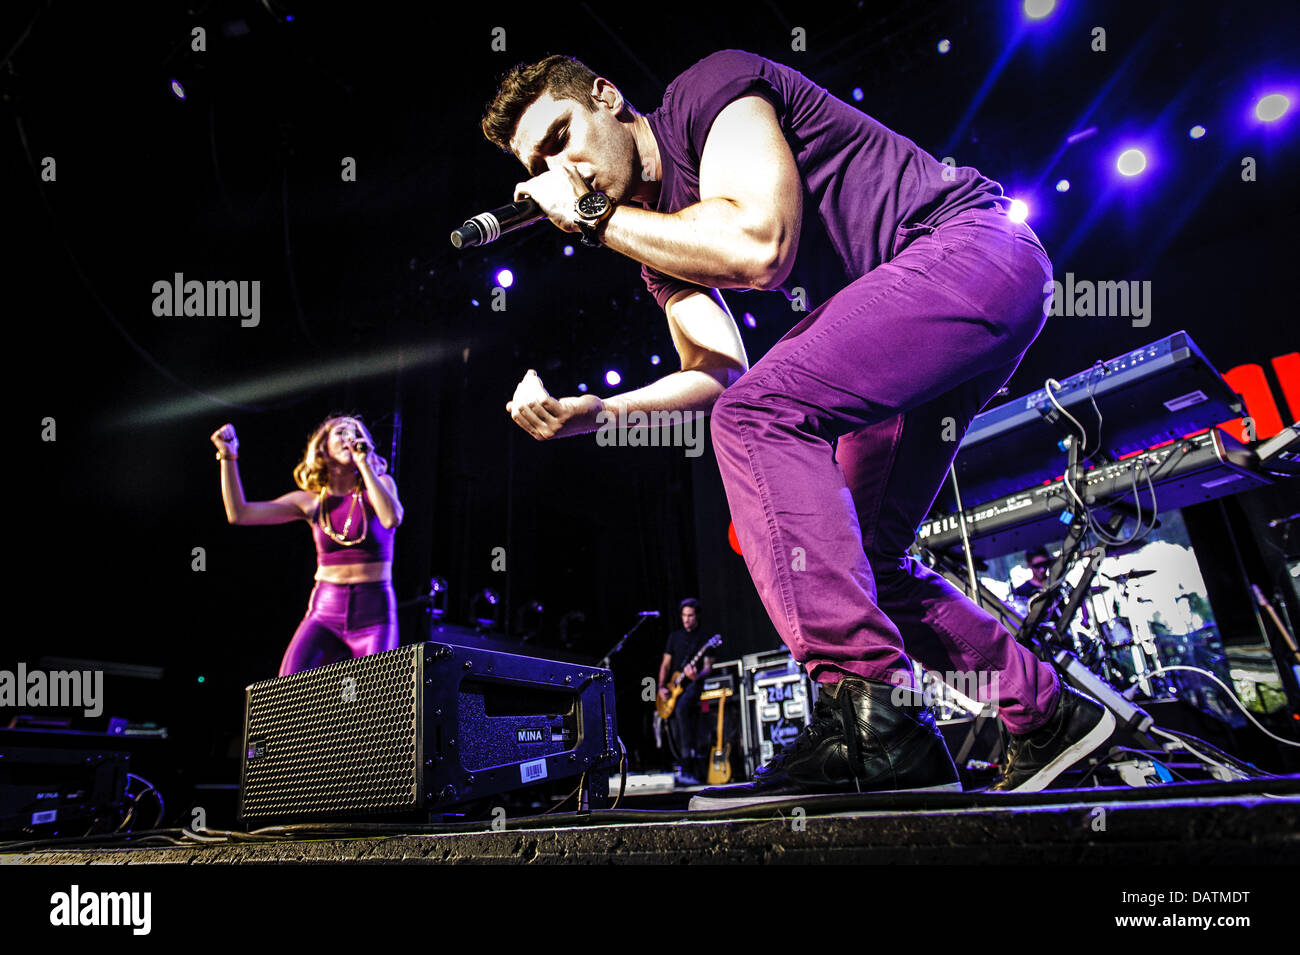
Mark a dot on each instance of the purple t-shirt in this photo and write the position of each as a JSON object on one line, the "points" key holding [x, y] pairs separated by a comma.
{"points": [[861, 179]]}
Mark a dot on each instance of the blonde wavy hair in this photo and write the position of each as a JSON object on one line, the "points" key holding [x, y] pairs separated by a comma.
{"points": [[312, 472]]}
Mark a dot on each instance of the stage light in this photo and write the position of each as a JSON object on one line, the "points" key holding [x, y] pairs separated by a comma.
{"points": [[1272, 107], [474, 302], [505, 278], [568, 250], [750, 320], [1037, 9], [1062, 185], [612, 378], [177, 90], [944, 46], [1018, 212], [857, 94], [654, 359], [582, 387], [1196, 132], [1131, 162], [203, 679]]}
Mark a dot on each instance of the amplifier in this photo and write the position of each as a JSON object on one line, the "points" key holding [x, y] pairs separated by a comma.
{"points": [[423, 727], [777, 701], [47, 790]]}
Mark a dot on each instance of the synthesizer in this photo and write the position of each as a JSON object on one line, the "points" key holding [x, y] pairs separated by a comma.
{"points": [[1148, 396], [1188, 471]]}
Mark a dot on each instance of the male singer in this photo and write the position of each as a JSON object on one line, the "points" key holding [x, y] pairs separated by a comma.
{"points": [[832, 447]]}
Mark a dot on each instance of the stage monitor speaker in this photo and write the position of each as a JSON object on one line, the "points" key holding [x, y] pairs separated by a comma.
{"points": [[410, 731]]}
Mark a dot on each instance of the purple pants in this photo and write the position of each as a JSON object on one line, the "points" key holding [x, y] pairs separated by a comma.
{"points": [[834, 445], [343, 621]]}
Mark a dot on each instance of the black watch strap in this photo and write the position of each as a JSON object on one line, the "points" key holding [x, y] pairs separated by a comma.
{"points": [[589, 236]]}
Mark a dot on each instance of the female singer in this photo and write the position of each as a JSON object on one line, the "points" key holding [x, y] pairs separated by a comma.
{"points": [[351, 504]]}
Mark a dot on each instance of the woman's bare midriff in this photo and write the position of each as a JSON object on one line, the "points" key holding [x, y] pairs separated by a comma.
{"points": [[355, 573]]}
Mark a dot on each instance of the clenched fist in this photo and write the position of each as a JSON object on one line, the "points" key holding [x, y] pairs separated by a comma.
{"points": [[534, 410], [225, 440]]}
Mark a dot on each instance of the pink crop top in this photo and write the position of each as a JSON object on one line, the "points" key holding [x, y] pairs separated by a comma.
{"points": [[377, 546]]}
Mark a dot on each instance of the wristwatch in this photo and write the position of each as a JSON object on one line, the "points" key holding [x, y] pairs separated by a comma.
{"points": [[592, 209]]}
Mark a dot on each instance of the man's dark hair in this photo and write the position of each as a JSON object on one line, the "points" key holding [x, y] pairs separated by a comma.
{"points": [[1037, 552], [561, 76], [689, 602]]}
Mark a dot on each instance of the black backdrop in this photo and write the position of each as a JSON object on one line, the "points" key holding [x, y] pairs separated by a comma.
{"points": [[367, 309]]}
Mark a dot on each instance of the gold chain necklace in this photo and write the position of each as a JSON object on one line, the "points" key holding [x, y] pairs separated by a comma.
{"points": [[323, 519]]}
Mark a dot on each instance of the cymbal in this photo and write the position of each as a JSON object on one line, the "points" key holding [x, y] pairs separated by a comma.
{"points": [[1134, 575]]}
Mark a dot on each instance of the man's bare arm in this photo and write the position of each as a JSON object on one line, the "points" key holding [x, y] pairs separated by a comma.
{"points": [[713, 356], [744, 231]]}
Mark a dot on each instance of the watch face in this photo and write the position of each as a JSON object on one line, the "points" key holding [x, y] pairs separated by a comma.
{"points": [[592, 205]]}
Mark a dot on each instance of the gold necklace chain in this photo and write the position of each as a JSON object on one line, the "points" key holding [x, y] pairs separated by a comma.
{"points": [[323, 519]]}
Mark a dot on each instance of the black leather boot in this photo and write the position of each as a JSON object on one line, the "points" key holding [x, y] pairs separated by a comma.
{"points": [[1077, 726], [865, 736]]}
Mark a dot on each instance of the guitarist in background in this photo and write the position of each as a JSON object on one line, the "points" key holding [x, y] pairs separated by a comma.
{"points": [[683, 725]]}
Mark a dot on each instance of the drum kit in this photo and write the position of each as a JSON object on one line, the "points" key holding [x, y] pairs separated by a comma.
{"points": [[1113, 632]]}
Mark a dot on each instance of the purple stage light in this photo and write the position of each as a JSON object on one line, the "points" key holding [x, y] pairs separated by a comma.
{"points": [[505, 278], [944, 46], [1019, 211], [1271, 108], [1037, 9], [750, 320], [612, 378], [857, 94], [474, 302], [568, 250], [177, 90], [1196, 132], [1131, 162], [1062, 185], [654, 359], [582, 386]]}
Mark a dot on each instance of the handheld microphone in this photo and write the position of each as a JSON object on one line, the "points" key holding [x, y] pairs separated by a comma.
{"points": [[490, 226], [648, 613]]}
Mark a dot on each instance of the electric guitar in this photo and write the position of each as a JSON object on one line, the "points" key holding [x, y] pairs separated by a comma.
{"points": [[675, 688], [720, 764]]}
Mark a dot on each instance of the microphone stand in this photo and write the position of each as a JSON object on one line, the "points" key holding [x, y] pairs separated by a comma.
{"points": [[605, 660]]}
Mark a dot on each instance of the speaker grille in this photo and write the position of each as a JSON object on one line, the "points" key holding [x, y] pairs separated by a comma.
{"points": [[340, 738]]}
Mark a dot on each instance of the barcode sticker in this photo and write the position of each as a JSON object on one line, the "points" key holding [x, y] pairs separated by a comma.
{"points": [[1186, 401], [532, 771]]}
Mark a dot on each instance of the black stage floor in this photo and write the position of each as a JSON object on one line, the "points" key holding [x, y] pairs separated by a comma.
{"points": [[1212, 823]]}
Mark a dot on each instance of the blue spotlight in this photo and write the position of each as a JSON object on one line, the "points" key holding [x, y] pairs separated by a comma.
{"points": [[1272, 107], [1018, 212], [474, 302], [612, 378], [582, 386], [1037, 9], [568, 251], [1131, 162], [1196, 132], [505, 278], [750, 320], [857, 94], [177, 90], [654, 359], [944, 46], [1062, 185]]}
